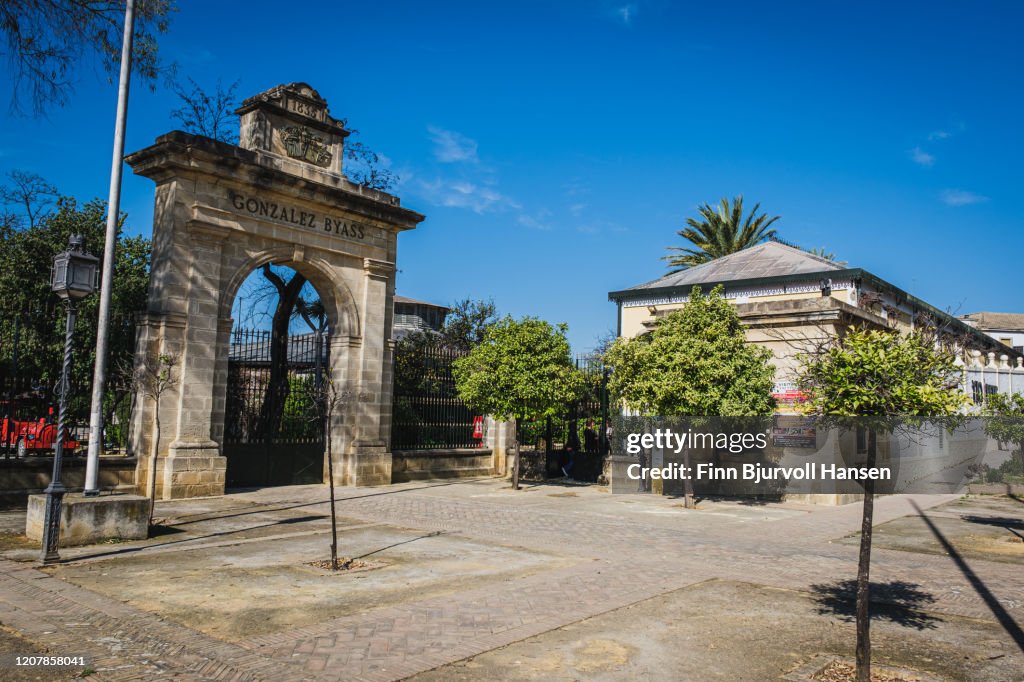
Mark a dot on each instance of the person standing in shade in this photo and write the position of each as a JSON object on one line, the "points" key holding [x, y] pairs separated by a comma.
{"points": [[572, 445]]}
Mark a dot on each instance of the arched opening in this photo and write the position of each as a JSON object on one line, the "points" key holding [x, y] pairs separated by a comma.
{"points": [[277, 373]]}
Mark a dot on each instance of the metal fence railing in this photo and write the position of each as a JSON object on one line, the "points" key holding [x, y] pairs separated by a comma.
{"points": [[427, 413]]}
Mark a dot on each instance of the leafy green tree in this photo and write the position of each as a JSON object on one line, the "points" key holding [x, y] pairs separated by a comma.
{"points": [[695, 363], [467, 323], [719, 232], [522, 369], [46, 40], [31, 323], [1005, 423], [880, 380]]}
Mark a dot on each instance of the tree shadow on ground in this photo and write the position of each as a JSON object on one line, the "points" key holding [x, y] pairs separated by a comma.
{"points": [[1015, 526], [761, 500], [897, 601]]}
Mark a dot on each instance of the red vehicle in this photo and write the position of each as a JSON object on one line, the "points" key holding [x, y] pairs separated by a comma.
{"points": [[34, 437]]}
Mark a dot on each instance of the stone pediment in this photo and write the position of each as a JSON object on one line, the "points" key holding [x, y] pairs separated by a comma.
{"points": [[293, 121]]}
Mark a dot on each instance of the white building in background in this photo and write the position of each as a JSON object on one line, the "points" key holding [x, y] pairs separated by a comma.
{"points": [[416, 316], [1006, 328]]}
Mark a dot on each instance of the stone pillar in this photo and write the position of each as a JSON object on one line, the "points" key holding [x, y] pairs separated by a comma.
{"points": [[371, 460], [194, 465], [155, 334], [341, 431], [501, 439]]}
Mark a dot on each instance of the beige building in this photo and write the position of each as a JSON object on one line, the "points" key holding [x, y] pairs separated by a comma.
{"points": [[1006, 328], [791, 300]]}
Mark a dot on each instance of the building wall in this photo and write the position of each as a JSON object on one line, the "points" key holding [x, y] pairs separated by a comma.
{"points": [[787, 323], [1007, 337], [635, 317]]}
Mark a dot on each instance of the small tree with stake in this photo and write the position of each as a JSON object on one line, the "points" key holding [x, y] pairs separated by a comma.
{"points": [[522, 369], [326, 398], [880, 380]]}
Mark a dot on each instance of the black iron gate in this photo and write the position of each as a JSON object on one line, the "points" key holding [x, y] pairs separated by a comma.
{"points": [[273, 421], [579, 434]]}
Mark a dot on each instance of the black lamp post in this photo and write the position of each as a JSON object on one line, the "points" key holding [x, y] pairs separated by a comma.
{"points": [[73, 278]]}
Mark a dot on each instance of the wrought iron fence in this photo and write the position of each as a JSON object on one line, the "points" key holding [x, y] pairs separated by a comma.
{"points": [[581, 426], [272, 391], [427, 413]]}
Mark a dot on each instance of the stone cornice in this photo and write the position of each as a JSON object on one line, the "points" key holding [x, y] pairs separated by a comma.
{"points": [[178, 153], [380, 269]]}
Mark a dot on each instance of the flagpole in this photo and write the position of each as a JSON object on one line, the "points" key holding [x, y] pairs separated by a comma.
{"points": [[99, 377]]}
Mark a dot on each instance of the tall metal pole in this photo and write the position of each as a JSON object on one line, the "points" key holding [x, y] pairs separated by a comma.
{"points": [[99, 377], [55, 491]]}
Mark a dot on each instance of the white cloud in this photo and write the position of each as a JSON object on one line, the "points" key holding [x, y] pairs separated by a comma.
{"points": [[625, 13], [451, 147], [532, 223], [575, 187], [577, 209], [960, 197], [465, 194], [939, 135], [921, 157], [537, 221]]}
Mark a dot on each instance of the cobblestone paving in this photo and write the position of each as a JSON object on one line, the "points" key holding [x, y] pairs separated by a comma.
{"points": [[624, 554]]}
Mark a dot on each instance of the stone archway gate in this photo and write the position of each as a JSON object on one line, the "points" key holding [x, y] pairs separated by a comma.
{"points": [[222, 211]]}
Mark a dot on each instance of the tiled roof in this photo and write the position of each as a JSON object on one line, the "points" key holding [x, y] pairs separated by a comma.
{"points": [[996, 321], [768, 259], [406, 299]]}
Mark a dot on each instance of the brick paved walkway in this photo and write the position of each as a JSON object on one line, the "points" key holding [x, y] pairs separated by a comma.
{"points": [[620, 559]]}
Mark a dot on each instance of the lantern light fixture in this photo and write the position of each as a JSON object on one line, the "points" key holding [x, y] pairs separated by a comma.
{"points": [[75, 272]]}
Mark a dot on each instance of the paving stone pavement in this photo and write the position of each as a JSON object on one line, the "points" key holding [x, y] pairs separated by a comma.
{"points": [[620, 559]]}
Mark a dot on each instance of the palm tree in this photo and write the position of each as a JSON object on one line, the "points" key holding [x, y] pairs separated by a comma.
{"points": [[719, 233]]}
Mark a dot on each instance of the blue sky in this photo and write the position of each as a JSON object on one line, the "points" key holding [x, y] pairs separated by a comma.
{"points": [[556, 147]]}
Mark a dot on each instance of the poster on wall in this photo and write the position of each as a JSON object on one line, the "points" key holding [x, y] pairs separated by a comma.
{"points": [[794, 432], [787, 397]]}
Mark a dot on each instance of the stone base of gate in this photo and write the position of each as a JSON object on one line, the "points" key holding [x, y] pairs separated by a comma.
{"points": [[188, 470], [420, 465], [369, 465]]}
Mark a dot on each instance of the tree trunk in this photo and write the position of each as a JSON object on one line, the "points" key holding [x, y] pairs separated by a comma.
{"points": [[515, 463], [276, 394], [863, 570], [151, 485], [687, 483], [334, 516]]}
